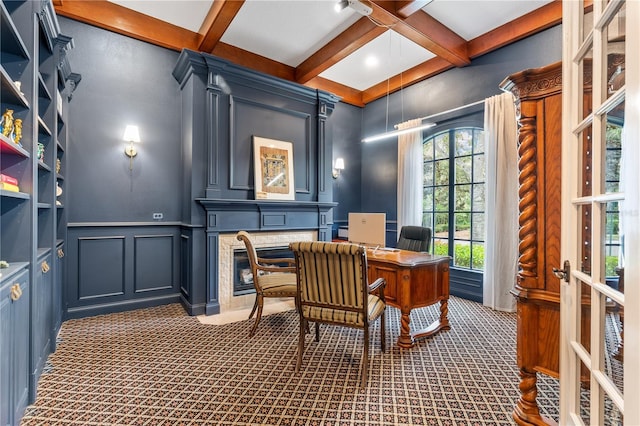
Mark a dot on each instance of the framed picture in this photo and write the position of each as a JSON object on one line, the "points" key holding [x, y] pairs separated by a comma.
{"points": [[273, 169]]}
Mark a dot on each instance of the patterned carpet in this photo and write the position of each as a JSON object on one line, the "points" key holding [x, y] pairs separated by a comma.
{"points": [[160, 366]]}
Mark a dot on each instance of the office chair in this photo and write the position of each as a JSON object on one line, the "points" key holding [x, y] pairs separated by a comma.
{"points": [[333, 288], [414, 238]]}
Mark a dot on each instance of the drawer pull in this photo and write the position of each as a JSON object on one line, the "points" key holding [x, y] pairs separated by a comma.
{"points": [[60, 253], [16, 292], [44, 267]]}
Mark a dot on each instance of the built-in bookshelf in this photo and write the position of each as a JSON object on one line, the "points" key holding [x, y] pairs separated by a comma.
{"points": [[35, 86]]}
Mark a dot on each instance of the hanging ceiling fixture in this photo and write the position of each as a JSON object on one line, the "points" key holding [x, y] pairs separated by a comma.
{"points": [[397, 132]]}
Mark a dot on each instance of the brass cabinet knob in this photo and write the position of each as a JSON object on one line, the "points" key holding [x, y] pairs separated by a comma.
{"points": [[60, 253], [44, 267], [16, 292]]}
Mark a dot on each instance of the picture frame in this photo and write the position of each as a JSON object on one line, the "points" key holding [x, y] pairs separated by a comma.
{"points": [[273, 169]]}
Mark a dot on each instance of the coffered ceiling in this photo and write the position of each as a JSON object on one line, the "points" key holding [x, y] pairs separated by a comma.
{"points": [[359, 58]]}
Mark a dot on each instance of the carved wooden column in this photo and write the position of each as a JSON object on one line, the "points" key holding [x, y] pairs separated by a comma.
{"points": [[538, 95]]}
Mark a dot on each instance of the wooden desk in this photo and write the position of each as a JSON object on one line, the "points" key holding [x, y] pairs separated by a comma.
{"points": [[414, 280]]}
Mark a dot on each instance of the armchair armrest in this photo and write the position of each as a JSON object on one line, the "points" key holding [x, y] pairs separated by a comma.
{"points": [[271, 265], [272, 261], [379, 283]]}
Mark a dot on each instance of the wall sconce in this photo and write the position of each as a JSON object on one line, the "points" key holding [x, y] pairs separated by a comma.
{"points": [[131, 135], [338, 167]]}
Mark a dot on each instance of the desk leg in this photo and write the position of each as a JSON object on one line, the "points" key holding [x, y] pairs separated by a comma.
{"points": [[405, 340], [440, 324]]}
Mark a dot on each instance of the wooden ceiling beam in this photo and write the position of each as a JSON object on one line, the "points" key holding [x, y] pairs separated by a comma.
{"points": [[409, 7], [350, 40], [413, 75], [347, 94], [533, 22], [423, 30], [113, 17], [253, 61], [217, 21]]}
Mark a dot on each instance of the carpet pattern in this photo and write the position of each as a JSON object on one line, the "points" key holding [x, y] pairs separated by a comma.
{"points": [[159, 366]]}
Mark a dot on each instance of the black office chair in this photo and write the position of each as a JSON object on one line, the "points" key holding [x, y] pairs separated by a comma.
{"points": [[414, 238]]}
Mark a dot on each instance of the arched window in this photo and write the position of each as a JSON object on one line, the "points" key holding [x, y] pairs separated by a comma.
{"points": [[454, 194]]}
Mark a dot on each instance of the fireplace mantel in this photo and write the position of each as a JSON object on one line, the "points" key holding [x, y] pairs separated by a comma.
{"points": [[224, 216], [229, 215]]}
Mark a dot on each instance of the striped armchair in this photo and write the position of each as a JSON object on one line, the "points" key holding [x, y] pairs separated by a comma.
{"points": [[269, 279], [333, 289]]}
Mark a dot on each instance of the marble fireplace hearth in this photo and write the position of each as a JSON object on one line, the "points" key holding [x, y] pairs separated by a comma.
{"points": [[227, 243]]}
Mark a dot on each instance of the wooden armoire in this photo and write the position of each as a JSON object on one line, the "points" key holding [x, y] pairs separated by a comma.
{"points": [[538, 97]]}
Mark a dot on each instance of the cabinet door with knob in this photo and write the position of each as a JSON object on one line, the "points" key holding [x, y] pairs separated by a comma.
{"points": [[41, 317], [14, 340]]}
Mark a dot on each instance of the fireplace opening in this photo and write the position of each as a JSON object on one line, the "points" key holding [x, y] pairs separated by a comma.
{"points": [[243, 278]]}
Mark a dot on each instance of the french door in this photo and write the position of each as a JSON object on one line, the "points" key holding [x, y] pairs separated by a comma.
{"points": [[599, 382]]}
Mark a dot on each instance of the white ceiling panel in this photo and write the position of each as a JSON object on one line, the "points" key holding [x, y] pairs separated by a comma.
{"points": [[187, 14], [287, 31], [470, 19], [394, 54]]}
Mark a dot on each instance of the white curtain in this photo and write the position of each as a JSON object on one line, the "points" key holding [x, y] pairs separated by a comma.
{"points": [[410, 175], [501, 211]]}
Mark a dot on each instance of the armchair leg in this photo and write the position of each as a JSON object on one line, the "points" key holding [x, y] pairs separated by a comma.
{"points": [[383, 332], [303, 325], [317, 331], [259, 302], [255, 306], [365, 359]]}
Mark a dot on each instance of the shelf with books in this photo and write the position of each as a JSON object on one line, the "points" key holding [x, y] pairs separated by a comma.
{"points": [[17, 195]]}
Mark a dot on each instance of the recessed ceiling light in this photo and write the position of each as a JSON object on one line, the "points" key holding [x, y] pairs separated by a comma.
{"points": [[371, 61]]}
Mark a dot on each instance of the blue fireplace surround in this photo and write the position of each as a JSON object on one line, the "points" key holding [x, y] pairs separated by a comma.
{"points": [[223, 107]]}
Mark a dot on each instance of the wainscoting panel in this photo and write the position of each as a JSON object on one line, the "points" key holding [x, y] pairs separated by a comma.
{"points": [[114, 267], [153, 265], [101, 267]]}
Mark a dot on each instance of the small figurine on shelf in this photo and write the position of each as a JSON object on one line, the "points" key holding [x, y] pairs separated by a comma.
{"points": [[7, 122], [40, 151], [58, 165], [17, 130]]}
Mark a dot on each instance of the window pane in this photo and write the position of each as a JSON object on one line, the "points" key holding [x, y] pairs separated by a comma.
{"points": [[463, 170], [427, 199], [440, 247], [427, 220], [442, 199], [479, 168], [477, 255], [463, 225], [442, 145], [462, 198], [428, 173], [441, 227], [427, 150], [477, 231], [462, 254], [442, 172], [464, 142], [478, 141], [478, 198]]}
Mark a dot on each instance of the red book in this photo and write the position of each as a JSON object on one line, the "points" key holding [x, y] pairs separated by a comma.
{"points": [[8, 179]]}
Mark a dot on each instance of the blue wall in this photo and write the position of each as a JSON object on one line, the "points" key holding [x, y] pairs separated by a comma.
{"points": [[124, 81]]}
